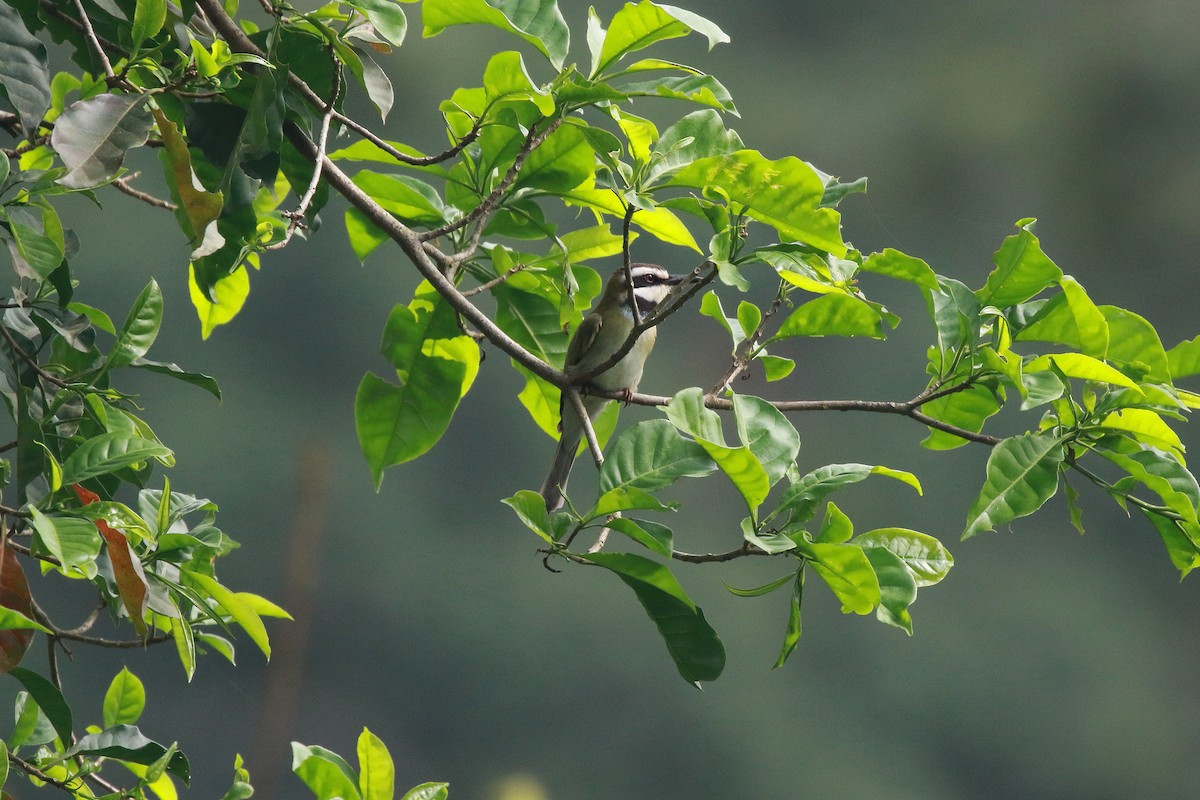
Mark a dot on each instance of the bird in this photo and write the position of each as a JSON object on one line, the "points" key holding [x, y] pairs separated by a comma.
{"points": [[599, 335]]}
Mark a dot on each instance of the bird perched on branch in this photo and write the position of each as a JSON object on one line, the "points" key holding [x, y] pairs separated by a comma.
{"points": [[594, 342]]}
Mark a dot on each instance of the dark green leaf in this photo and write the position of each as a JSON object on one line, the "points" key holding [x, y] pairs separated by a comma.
{"points": [[24, 71], [49, 699], [791, 635], [205, 382], [74, 542], [692, 643], [759, 591], [140, 328], [93, 136], [126, 743]]}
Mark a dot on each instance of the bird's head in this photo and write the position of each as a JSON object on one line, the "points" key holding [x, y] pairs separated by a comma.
{"points": [[651, 285]]}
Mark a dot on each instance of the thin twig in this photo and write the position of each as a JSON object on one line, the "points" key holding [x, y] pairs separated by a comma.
{"points": [[746, 549], [29, 769], [90, 34], [123, 185], [31, 361], [741, 359], [494, 282], [297, 216]]}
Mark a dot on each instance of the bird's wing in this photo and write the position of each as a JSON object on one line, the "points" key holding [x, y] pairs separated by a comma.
{"points": [[582, 341]]}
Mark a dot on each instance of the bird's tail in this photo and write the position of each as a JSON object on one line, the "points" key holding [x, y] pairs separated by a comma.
{"points": [[560, 469]]}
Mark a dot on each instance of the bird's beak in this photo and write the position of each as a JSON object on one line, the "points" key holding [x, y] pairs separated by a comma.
{"points": [[675, 280]]}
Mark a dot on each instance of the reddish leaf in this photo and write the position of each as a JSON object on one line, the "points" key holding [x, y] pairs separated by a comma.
{"points": [[127, 569], [14, 594], [86, 496]]}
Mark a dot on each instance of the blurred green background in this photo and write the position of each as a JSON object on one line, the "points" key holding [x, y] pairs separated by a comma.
{"points": [[1047, 665]]}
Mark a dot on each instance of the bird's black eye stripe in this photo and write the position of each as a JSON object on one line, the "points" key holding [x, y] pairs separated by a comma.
{"points": [[647, 279]]}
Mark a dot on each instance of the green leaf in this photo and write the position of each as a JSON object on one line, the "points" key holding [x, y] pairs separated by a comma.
{"points": [[784, 194], [74, 542], [700, 134], [968, 409], [1184, 359], [126, 743], [149, 16], [651, 535], [791, 635], [562, 162], [233, 605], [895, 264], [848, 572], [376, 772], [505, 78], [224, 300], [802, 497], [531, 509], [124, 700], [776, 368], [93, 136], [692, 643], [832, 315], [427, 791], [140, 328], [1134, 341], [954, 310], [702, 89], [759, 591], [37, 235], [924, 556], [1070, 318], [1022, 474], [897, 588], [1146, 427], [636, 27], [1022, 270], [324, 772], [396, 424], [764, 429], [410, 199], [386, 18], [1077, 365], [538, 22], [652, 455], [624, 498], [1180, 544], [199, 379], [109, 452], [1162, 474], [24, 70], [659, 222], [836, 528], [11, 620], [49, 699]]}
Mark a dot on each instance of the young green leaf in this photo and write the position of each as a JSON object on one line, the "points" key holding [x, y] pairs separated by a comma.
{"points": [[326, 773], [848, 572], [791, 635], [376, 772], [242, 614], [538, 22], [140, 328], [903, 267], [832, 315], [897, 588], [651, 535], [124, 700], [1022, 270]]}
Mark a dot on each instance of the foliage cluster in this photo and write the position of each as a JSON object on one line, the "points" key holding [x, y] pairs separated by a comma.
{"points": [[247, 115]]}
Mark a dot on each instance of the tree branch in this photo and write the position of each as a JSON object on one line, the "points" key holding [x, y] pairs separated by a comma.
{"points": [[746, 549], [90, 34]]}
